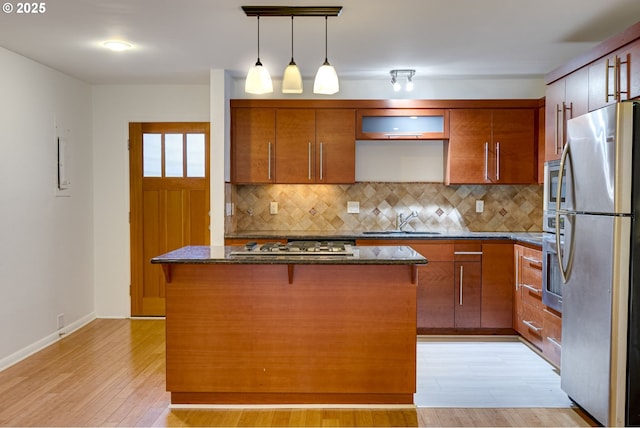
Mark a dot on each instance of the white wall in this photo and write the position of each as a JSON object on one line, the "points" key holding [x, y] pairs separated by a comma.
{"points": [[114, 106], [46, 242], [425, 88]]}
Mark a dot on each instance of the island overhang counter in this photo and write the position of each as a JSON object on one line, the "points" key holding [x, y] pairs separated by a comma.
{"points": [[291, 329]]}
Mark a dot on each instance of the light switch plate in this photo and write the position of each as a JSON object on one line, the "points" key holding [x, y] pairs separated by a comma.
{"points": [[479, 206], [273, 208], [353, 207]]}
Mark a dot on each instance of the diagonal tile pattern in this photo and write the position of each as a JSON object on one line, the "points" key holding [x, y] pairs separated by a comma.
{"points": [[440, 208]]}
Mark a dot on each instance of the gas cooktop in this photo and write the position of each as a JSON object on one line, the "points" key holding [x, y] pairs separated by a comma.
{"points": [[308, 248]]}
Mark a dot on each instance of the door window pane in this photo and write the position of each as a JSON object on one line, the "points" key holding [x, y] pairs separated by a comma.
{"points": [[152, 155], [195, 155], [173, 155]]}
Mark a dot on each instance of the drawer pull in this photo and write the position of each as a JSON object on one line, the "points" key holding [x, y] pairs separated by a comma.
{"points": [[468, 253], [532, 326], [532, 288], [532, 260], [554, 341]]}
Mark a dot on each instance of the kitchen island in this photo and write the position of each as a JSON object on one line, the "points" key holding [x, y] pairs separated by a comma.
{"points": [[291, 328]]}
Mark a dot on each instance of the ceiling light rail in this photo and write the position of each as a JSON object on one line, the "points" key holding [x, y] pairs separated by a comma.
{"points": [[259, 80], [317, 11], [396, 75]]}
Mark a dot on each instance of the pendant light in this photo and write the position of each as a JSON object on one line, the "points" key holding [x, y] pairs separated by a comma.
{"points": [[258, 79], [292, 79], [326, 78]]}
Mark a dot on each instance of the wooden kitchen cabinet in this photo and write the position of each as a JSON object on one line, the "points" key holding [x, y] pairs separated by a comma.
{"points": [[467, 285], [435, 286], [529, 318], [402, 124], [253, 145], [492, 146], [566, 98], [335, 146], [615, 77], [552, 338], [497, 290], [293, 146]]}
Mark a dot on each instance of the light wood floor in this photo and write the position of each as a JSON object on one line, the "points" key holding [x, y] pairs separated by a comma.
{"points": [[111, 373]]}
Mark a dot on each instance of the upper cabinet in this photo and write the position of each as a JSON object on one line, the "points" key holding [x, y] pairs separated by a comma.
{"points": [[492, 146], [402, 124], [253, 136], [292, 145], [314, 141], [566, 98], [315, 146], [608, 73]]}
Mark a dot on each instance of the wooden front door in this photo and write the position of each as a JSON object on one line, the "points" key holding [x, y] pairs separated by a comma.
{"points": [[169, 188]]}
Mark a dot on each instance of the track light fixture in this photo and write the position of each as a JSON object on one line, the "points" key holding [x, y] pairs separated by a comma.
{"points": [[326, 80], [399, 74]]}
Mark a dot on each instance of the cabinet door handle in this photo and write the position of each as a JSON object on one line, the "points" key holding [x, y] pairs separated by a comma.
{"points": [[554, 341], [517, 268], [619, 78], [468, 253], [532, 260], [486, 161], [498, 161], [461, 283], [531, 326], [321, 160], [531, 288], [269, 162], [309, 158], [607, 67], [559, 111]]}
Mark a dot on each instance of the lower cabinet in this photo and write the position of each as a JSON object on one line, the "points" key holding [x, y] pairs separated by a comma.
{"points": [[539, 325], [466, 286]]}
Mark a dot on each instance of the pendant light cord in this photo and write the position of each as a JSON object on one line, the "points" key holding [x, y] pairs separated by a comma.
{"points": [[292, 39], [258, 38], [326, 56]]}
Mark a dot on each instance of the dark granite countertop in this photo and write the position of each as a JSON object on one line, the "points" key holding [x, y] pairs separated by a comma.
{"points": [[532, 238], [365, 255]]}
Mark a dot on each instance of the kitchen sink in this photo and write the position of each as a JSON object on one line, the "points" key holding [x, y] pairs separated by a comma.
{"points": [[398, 232]]}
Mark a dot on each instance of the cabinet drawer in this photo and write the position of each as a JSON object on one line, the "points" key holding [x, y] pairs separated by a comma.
{"points": [[531, 277], [552, 337], [532, 323], [470, 252]]}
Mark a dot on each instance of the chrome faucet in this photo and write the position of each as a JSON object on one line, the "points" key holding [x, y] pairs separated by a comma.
{"points": [[402, 222]]}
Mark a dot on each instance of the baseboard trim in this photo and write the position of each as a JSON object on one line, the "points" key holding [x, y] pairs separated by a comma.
{"points": [[291, 406], [26, 352]]}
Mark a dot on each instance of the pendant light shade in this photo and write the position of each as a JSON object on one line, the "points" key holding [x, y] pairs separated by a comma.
{"points": [[258, 79], [326, 81], [292, 79]]}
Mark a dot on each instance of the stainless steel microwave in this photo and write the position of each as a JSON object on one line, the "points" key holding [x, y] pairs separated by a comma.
{"points": [[551, 196], [551, 177]]}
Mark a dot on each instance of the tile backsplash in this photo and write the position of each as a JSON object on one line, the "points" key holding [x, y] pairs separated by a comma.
{"points": [[507, 208]]}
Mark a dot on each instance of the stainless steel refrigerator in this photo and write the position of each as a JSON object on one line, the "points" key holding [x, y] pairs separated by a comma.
{"points": [[600, 362]]}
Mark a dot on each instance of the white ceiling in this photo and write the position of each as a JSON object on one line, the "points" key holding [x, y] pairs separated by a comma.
{"points": [[180, 41]]}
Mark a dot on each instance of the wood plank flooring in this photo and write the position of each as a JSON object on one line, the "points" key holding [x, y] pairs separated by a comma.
{"points": [[112, 373]]}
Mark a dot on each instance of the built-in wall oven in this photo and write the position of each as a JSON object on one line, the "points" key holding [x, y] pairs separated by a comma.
{"points": [[551, 276]]}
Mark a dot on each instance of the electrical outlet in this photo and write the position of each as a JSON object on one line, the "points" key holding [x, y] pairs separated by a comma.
{"points": [[353, 207], [479, 206], [273, 208], [60, 321], [230, 208]]}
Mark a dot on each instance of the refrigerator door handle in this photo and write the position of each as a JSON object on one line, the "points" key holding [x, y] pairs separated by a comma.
{"points": [[564, 273]]}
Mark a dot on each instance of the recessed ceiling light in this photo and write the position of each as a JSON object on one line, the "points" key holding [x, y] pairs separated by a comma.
{"points": [[116, 45]]}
